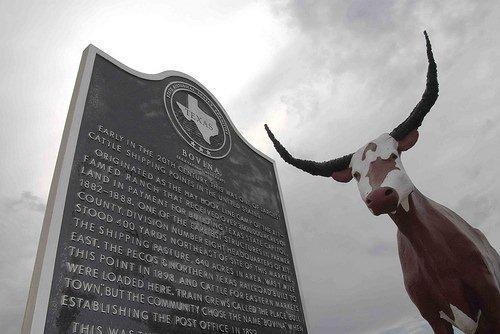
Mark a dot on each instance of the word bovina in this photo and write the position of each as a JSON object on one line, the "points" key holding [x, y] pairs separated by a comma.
{"points": [[161, 217]]}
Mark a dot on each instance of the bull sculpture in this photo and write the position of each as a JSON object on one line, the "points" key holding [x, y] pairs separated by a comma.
{"points": [[450, 271]]}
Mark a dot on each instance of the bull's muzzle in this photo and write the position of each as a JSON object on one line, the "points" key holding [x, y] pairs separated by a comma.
{"points": [[382, 200]]}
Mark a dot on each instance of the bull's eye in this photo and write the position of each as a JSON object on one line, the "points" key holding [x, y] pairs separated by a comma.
{"points": [[356, 175], [394, 156]]}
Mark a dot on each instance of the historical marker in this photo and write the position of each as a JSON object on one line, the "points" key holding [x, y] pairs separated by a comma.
{"points": [[161, 217]]}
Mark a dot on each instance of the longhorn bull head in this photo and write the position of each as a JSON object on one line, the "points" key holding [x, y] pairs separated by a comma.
{"points": [[382, 181]]}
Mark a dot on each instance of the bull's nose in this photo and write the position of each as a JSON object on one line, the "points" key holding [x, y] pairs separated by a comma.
{"points": [[382, 200]]}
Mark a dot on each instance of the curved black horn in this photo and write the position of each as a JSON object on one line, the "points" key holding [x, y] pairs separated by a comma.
{"points": [[312, 167], [428, 98]]}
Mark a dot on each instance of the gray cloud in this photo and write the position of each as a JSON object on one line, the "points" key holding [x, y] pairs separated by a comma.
{"points": [[382, 249], [26, 201], [410, 325], [20, 228], [479, 207], [348, 71]]}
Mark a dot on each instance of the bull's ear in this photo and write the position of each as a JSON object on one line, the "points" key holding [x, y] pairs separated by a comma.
{"points": [[407, 142], [343, 175]]}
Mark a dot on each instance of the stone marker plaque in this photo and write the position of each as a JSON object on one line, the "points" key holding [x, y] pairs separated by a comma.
{"points": [[161, 217]]}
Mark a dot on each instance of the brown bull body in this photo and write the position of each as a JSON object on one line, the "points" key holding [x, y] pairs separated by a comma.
{"points": [[448, 267]]}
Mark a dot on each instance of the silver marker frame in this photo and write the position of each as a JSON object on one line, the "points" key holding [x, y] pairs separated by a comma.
{"points": [[37, 304]]}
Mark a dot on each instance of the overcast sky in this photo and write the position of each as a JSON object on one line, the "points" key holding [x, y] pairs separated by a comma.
{"points": [[327, 76]]}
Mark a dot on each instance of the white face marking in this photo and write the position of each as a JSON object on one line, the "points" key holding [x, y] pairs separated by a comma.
{"points": [[462, 321], [396, 178], [405, 204]]}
